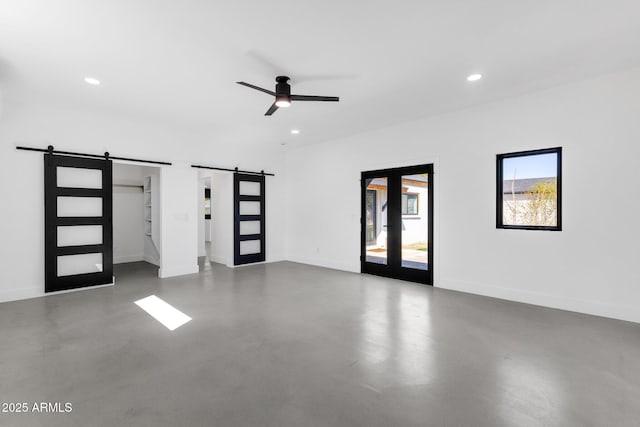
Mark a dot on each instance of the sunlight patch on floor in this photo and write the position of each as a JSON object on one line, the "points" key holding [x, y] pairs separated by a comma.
{"points": [[163, 312]]}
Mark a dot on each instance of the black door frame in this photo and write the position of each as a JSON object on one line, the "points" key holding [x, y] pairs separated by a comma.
{"points": [[394, 268], [53, 282]]}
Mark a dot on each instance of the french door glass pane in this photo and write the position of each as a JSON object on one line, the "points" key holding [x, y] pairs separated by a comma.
{"points": [[249, 227], [415, 223], [69, 265], [249, 247], [249, 208], [249, 188], [376, 220], [80, 235], [79, 206], [79, 177]]}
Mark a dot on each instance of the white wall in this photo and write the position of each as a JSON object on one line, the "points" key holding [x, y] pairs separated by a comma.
{"points": [[588, 267], [128, 224], [207, 230], [40, 123], [178, 220], [222, 218]]}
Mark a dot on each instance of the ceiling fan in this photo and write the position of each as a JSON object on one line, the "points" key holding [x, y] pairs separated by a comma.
{"points": [[284, 97]]}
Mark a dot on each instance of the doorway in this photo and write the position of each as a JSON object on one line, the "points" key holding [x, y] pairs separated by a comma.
{"points": [[136, 215], [397, 223]]}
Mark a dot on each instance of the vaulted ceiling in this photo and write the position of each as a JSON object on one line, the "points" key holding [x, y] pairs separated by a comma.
{"points": [[176, 62]]}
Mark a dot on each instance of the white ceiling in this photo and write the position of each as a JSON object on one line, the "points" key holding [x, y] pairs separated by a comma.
{"points": [[177, 61]]}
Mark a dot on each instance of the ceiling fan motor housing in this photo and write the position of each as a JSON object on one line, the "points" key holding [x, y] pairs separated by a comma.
{"points": [[283, 89]]}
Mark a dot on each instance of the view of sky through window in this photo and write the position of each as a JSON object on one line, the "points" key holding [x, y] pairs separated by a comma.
{"points": [[534, 166]]}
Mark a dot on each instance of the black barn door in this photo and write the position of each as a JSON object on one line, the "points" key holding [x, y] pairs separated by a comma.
{"points": [[78, 222], [249, 218]]}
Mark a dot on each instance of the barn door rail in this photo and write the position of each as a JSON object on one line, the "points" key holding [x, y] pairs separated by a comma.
{"points": [[236, 170], [107, 156]]}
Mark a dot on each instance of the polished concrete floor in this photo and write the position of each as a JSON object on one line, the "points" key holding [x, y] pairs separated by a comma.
{"points": [[286, 344]]}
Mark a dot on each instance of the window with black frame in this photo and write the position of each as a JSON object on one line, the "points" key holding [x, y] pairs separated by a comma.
{"points": [[409, 204], [529, 189]]}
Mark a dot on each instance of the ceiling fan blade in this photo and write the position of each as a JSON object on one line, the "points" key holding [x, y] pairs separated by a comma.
{"points": [[268, 64], [314, 98], [257, 88], [271, 109]]}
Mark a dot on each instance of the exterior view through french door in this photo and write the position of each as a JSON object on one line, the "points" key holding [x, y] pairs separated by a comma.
{"points": [[78, 222], [397, 223]]}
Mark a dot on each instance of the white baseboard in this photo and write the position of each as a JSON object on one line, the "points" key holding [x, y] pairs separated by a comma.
{"points": [[219, 259], [596, 308], [82, 289], [37, 292], [327, 263], [21, 293], [269, 261], [178, 270], [128, 258], [151, 260]]}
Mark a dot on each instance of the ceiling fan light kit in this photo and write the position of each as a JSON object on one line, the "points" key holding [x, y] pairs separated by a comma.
{"points": [[283, 96]]}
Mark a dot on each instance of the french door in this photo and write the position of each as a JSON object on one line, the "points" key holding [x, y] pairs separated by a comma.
{"points": [[78, 222], [397, 223]]}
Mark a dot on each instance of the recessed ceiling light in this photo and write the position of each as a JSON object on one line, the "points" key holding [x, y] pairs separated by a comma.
{"points": [[474, 77], [295, 131], [92, 81]]}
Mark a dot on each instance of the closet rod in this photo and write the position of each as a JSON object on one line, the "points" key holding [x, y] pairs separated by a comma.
{"points": [[233, 170], [105, 156]]}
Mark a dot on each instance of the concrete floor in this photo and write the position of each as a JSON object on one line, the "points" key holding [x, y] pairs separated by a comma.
{"points": [[286, 344]]}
